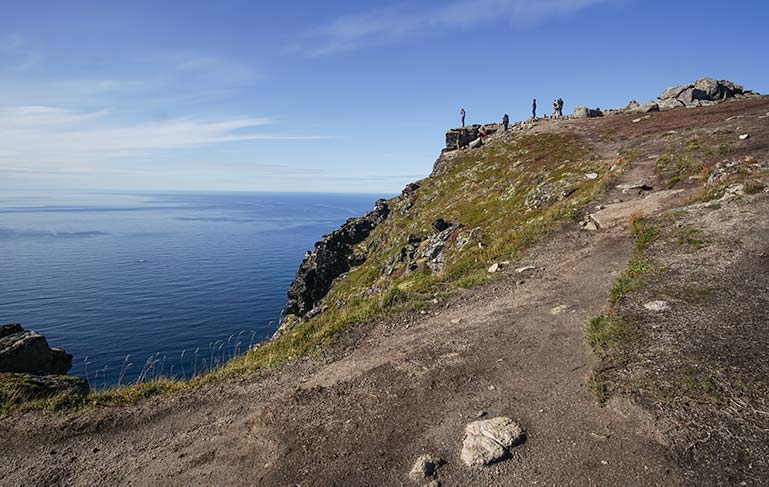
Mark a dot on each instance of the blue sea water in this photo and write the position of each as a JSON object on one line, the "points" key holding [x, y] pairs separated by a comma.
{"points": [[177, 279]]}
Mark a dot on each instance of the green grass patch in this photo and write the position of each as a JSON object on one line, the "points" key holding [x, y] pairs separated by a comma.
{"points": [[604, 331], [598, 388]]}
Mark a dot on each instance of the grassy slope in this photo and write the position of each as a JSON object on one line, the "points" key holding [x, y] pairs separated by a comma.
{"points": [[481, 189]]}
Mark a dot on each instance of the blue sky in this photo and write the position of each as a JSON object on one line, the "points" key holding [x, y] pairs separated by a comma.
{"points": [[331, 96]]}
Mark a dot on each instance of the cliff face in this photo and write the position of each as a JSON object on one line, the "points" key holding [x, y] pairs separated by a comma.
{"points": [[333, 256]]}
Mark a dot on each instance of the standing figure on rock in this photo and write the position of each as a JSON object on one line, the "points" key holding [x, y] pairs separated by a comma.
{"points": [[555, 108], [534, 108], [462, 114], [505, 122], [560, 107]]}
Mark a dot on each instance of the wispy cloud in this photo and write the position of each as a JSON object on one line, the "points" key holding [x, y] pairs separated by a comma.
{"points": [[41, 134], [395, 24]]}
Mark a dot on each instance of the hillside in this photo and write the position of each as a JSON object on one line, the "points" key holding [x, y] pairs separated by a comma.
{"points": [[601, 281]]}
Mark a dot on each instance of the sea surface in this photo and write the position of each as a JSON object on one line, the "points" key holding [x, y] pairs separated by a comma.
{"points": [[156, 284]]}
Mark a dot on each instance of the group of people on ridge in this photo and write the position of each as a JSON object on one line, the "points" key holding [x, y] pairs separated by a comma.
{"points": [[557, 112]]}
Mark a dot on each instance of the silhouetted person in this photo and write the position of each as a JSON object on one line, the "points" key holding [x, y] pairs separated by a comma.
{"points": [[534, 108], [560, 107], [462, 114], [505, 122], [555, 108]]}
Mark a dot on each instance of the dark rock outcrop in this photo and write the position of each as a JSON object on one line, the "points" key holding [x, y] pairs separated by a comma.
{"points": [[28, 352], [16, 388], [31, 370], [332, 257], [467, 136], [704, 91]]}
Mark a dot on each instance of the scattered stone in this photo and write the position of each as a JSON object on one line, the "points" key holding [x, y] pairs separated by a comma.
{"points": [[591, 175], [744, 136], [636, 120], [489, 441], [494, 268], [657, 306], [527, 268], [559, 309], [425, 466], [591, 226]]}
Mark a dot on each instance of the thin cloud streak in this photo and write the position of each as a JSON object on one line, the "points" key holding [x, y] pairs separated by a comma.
{"points": [[46, 135], [399, 23]]}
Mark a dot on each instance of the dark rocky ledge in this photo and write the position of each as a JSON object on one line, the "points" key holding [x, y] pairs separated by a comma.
{"points": [[30, 369], [333, 256]]}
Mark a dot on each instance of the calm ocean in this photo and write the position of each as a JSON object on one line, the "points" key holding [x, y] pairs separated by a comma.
{"points": [[159, 277]]}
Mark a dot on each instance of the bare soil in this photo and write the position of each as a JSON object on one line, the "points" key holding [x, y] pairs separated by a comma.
{"points": [[363, 410]]}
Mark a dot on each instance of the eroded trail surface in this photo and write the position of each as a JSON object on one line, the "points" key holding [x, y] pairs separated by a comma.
{"points": [[385, 393]]}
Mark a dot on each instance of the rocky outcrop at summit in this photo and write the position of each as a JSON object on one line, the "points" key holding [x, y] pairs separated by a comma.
{"points": [[332, 257], [704, 91], [468, 136]]}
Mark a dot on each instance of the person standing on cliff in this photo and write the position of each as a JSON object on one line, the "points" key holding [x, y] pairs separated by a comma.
{"points": [[462, 114], [505, 122], [534, 108], [560, 107]]}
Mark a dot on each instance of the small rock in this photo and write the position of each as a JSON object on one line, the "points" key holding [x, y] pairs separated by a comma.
{"points": [[492, 388], [480, 414], [425, 466], [456, 321], [527, 268], [591, 175], [636, 120], [559, 309], [489, 441], [657, 306], [494, 268], [744, 136], [591, 226]]}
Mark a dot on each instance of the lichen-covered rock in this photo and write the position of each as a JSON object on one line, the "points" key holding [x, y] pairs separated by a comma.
{"points": [[332, 257], [489, 441]]}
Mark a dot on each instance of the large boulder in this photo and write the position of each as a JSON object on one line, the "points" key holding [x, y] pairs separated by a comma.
{"points": [[585, 112], [649, 106], [704, 91], [28, 351]]}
